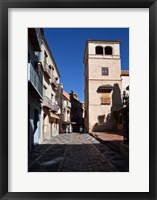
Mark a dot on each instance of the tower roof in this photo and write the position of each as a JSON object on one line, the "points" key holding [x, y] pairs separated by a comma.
{"points": [[104, 41], [124, 72]]}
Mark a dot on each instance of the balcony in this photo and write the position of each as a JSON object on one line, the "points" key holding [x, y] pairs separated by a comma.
{"points": [[33, 78], [55, 107], [69, 104], [66, 104], [47, 69], [47, 102], [53, 80]]}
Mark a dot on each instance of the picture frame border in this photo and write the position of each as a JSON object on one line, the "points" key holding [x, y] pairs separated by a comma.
{"points": [[4, 6]]}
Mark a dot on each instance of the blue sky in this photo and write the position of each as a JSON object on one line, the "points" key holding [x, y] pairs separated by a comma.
{"points": [[67, 46]]}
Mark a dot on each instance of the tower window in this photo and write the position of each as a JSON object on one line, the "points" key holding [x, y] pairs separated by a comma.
{"points": [[104, 71], [108, 50], [99, 50]]}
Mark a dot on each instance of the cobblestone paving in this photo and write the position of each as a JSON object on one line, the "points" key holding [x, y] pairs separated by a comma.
{"points": [[75, 153], [118, 160]]}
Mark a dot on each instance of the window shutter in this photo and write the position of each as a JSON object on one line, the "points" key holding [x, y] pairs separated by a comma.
{"points": [[105, 99]]}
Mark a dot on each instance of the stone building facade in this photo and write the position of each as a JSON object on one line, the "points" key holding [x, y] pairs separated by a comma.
{"points": [[103, 84]]}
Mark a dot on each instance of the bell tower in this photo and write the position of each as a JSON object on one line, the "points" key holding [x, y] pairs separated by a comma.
{"points": [[102, 83]]}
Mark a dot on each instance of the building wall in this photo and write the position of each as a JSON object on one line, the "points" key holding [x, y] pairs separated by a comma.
{"points": [[34, 95], [76, 113], [34, 121], [86, 92], [31, 51], [67, 110], [50, 125], [46, 81], [96, 109], [50, 128], [125, 82], [66, 125]]}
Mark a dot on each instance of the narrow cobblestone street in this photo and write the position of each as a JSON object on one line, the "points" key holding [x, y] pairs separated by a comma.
{"points": [[75, 153]]}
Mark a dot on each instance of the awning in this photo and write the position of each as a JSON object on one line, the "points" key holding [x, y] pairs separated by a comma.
{"points": [[54, 116], [67, 122], [73, 122], [105, 88]]}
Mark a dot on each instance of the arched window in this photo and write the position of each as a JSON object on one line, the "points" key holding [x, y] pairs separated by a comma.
{"points": [[99, 50], [108, 50]]}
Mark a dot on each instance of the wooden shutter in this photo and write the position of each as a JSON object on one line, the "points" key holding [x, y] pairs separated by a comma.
{"points": [[105, 99]]}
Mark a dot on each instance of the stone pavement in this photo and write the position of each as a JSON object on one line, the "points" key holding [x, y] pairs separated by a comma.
{"points": [[75, 153], [113, 139]]}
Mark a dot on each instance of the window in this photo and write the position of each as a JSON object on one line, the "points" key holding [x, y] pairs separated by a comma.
{"points": [[108, 50], [120, 119], [104, 71], [105, 98], [45, 92], [39, 70], [45, 56], [99, 50]]}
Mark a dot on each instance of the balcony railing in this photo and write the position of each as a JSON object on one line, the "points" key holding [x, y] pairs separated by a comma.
{"points": [[47, 102], [34, 79], [47, 69], [53, 80]]}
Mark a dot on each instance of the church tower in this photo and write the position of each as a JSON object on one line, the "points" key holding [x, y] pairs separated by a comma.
{"points": [[102, 84]]}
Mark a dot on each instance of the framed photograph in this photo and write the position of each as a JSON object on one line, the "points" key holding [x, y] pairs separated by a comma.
{"points": [[57, 142]]}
